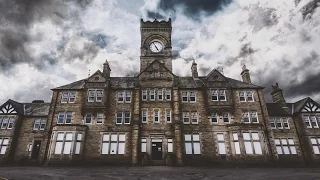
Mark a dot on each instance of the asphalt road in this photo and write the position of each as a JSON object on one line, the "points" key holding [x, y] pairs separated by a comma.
{"points": [[156, 173]]}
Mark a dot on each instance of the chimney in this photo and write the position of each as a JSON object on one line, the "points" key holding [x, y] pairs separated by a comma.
{"points": [[106, 69], [245, 74], [194, 69], [277, 95]]}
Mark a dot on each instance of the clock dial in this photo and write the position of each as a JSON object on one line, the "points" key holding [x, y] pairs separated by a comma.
{"points": [[156, 46]]}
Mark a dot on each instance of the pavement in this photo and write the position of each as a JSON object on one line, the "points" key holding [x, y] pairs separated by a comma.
{"points": [[156, 173]]}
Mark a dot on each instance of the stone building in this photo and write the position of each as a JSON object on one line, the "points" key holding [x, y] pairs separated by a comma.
{"points": [[159, 118]]}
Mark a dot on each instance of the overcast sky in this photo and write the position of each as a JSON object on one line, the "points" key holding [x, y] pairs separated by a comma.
{"points": [[49, 43]]}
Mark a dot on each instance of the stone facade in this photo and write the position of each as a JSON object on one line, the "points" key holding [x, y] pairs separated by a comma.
{"points": [[159, 118]]}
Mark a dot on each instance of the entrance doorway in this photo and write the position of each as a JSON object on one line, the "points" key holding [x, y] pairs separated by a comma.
{"points": [[156, 153], [36, 149]]}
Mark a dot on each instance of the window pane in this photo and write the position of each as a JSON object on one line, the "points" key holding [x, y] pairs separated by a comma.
{"points": [[237, 147], [316, 149], [58, 148], [67, 148], [106, 137], [5, 141], [79, 137], [122, 137], [277, 141], [143, 147], [196, 137], [279, 150], [196, 148], [257, 147], [60, 136], [285, 149], [105, 148], [3, 149], [170, 147], [114, 137], [293, 150], [113, 148], [188, 148], [187, 137], [246, 136], [220, 137], [68, 136], [291, 141], [255, 136], [235, 136], [222, 148], [313, 141], [121, 148], [284, 141], [248, 147], [78, 144]]}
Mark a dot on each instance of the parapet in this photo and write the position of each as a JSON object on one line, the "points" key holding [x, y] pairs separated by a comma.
{"points": [[155, 24]]}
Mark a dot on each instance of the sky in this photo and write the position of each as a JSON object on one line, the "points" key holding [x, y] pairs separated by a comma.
{"points": [[49, 43]]}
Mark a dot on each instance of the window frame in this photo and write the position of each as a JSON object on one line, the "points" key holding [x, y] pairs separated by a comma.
{"points": [[88, 114], [214, 93], [194, 116], [316, 144], [102, 118], [128, 94], [214, 115], [109, 143], [281, 145], [152, 94], [186, 115], [91, 94], [184, 94], [168, 93], [99, 95], [193, 142], [222, 95], [144, 93], [252, 143], [193, 94], [127, 117], [156, 114], [4, 145], [228, 117], [144, 114], [160, 94], [168, 115]]}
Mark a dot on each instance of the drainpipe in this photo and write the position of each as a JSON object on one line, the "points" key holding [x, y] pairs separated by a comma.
{"points": [[266, 129], [50, 130]]}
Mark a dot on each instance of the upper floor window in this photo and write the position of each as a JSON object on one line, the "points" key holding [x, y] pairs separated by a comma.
{"points": [[168, 115], [190, 117], [279, 123], [64, 118], [123, 118], [4, 142], [218, 95], [225, 117], [152, 94], [194, 117], [250, 117], [95, 95], [124, 96], [39, 124], [144, 115], [246, 96], [214, 118], [6, 122], [68, 97], [188, 96], [311, 121], [100, 118], [160, 95], [156, 115], [144, 95], [88, 118], [168, 94]]}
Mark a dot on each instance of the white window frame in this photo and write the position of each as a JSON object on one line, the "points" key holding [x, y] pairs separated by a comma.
{"points": [[5, 122], [194, 117], [168, 94], [144, 115], [306, 120], [39, 122], [144, 145], [285, 146], [120, 96], [118, 117], [168, 116], [184, 94], [214, 93], [99, 95], [156, 115], [252, 142], [86, 118], [222, 93], [186, 115], [273, 123], [64, 97], [193, 140], [214, 116], [100, 120], [72, 96], [193, 94], [236, 143], [108, 141], [250, 115], [11, 122], [144, 95], [128, 94], [65, 117], [91, 95], [314, 122], [126, 117], [160, 94], [248, 96], [152, 94], [64, 141], [224, 116], [315, 143], [222, 150], [170, 145], [4, 143]]}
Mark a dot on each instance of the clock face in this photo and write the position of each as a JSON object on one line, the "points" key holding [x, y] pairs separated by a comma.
{"points": [[156, 46]]}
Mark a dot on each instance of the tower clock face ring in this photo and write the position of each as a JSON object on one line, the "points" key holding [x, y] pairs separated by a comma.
{"points": [[156, 46]]}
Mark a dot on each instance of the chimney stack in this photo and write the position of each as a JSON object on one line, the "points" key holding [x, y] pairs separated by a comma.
{"points": [[106, 69], [277, 95], [194, 69], [245, 74]]}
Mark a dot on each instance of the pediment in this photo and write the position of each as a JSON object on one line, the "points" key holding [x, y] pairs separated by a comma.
{"points": [[156, 70], [215, 75], [7, 108], [97, 77], [310, 106]]}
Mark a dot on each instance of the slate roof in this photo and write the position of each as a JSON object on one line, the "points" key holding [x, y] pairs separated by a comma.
{"points": [[239, 84], [74, 85], [299, 104], [29, 109], [123, 82]]}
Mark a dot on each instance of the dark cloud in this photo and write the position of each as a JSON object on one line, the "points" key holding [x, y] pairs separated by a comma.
{"points": [[193, 8], [204, 70], [262, 17], [154, 15], [17, 18], [310, 85]]}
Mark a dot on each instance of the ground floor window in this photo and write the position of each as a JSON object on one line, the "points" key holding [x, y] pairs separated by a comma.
{"points": [[170, 145], [113, 143], [221, 143], [252, 143], [4, 142], [315, 141], [236, 143], [66, 143], [192, 143], [285, 146], [143, 145]]}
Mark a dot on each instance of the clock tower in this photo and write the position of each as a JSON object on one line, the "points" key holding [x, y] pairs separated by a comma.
{"points": [[155, 43]]}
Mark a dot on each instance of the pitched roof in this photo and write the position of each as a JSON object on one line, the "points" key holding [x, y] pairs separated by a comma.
{"points": [[74, 85], [11, 107], [36, 109], [123, 82], [299, 104], [239, 84], [275, 109]]}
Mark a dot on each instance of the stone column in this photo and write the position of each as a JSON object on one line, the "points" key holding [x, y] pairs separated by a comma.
{"points": [[177, 126], [135, 126]]}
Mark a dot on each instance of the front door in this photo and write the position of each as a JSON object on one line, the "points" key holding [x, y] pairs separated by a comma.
{"points": [[36, 149], [156, 150]]}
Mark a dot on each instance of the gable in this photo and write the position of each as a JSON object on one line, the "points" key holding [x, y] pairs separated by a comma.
{"points": [[97, 77], [157, 71], [215, 75], [7, 108], [310, 106]]}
